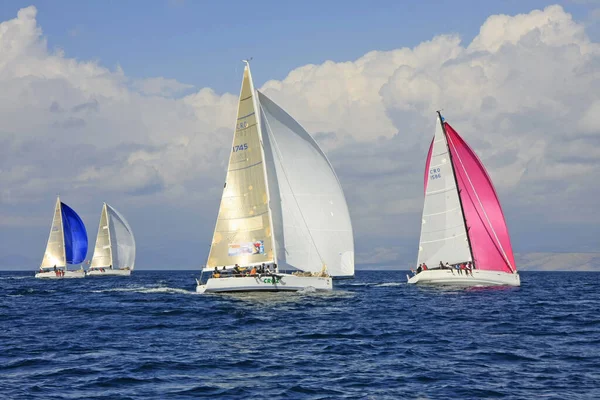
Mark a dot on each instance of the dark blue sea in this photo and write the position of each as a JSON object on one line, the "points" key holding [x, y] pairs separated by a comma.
{"points": [[151, 337]]}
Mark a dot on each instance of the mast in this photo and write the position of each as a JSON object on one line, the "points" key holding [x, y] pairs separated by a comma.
{"points": [[257, 110], [62, 231], [462, 210], [105, 211]]}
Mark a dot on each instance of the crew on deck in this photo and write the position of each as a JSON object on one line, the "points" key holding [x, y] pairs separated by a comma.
{"points": [[238, 271], [466, 267]]}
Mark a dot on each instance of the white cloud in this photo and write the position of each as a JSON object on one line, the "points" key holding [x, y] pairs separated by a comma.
{"points": [[161, 86], [524, 93]]}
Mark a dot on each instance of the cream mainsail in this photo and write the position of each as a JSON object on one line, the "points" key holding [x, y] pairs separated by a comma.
{"points": [[55, 249], [102, 252], [243, 232]]}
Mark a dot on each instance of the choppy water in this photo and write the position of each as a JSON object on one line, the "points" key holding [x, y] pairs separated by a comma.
{"points": [[151, 336]]}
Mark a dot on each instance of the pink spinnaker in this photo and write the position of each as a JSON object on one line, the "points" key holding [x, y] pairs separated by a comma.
{"points": [[486, 226]]}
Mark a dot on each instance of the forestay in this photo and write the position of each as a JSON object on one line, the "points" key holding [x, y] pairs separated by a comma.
{"points": [[443, 233], [310, 215]]}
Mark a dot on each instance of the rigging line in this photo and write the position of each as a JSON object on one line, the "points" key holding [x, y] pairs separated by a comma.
{"points": [[481, 205], [288, 181]]}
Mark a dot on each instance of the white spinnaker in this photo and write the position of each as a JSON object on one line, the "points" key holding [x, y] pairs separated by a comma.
{"points": [[310, 216], [121, 239], [55, 248], [443, 233], [102, 251]]}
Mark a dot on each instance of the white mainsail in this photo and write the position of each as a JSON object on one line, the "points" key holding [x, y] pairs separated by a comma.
{"points": [[102, 251], [443, 233], [243, 231], [122, 241], [310, 216], [55, 248]]}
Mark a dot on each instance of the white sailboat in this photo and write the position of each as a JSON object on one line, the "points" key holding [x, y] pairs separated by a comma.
{"points": [[114, 254], [464, 238], [67, 244], [282, 206]]}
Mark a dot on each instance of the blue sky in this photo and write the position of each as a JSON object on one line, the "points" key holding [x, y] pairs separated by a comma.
{"points": [[201, 42], [523, 93]]}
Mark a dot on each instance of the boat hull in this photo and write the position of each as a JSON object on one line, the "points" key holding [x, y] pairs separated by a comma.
{"points": [[80, 273], [453, 278], [108, 272], [265, 283]]}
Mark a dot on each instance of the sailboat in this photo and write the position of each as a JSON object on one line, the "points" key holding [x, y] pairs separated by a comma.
{"points": [[464, 238], [67, 244], [283, 222], [114, 254]]}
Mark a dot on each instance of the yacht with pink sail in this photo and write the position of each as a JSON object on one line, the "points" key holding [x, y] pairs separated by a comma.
{"points": [[464, 238]]}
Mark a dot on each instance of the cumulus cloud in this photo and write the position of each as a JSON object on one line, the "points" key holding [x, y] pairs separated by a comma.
{"points": [[524, 93]]}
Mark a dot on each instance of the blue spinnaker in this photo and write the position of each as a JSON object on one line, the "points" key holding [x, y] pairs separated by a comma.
{"points": [[76, 240]]}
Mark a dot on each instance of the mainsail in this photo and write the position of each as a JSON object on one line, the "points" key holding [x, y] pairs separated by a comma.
{"points": [[75, 235], [310, 216], [55, 248], [102, 252], [122, 241], [443, 233], [466, 228], [243, 232]]}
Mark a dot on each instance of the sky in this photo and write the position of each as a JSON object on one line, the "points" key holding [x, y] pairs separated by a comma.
{"points": [[133, 103]]}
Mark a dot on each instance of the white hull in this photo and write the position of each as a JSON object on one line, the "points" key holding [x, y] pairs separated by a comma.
{"points": [[453, 278], [80, 273], [108, 272], [264, 283]]}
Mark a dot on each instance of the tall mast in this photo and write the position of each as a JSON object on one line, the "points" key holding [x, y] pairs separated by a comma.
{"points": [[257, 110], [105, 211], [462, 210], [62, 230]]}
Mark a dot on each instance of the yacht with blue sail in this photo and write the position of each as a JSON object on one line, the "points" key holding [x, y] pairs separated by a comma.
{"points": [[67, 245], [283, 222]]}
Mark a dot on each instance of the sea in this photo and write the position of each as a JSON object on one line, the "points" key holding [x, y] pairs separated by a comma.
{"points": [[150, 336]]}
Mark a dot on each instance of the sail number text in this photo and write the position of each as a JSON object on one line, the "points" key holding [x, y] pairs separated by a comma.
{"points": [[434, 173], [240, 147]]}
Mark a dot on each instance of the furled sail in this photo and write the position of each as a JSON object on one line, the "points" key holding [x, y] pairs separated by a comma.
{"points": [[102, 252], [76, 241], [243, 230], [490, 241], [443, 233], [122, 241], [311, 220], [55, 248]]}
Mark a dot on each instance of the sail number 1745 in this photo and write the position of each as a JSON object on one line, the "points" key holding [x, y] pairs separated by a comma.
{"points": [[240, 147]]}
